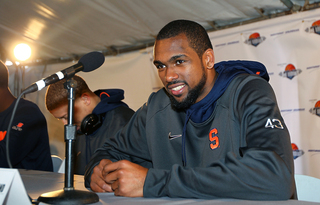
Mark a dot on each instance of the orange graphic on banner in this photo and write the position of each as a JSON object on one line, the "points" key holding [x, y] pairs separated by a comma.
{"points": [[2, 135], [254, 35], [316, 23], [290, 67]]}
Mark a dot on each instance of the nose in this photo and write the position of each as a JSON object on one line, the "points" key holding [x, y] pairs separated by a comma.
{"points": [[171, 74]]}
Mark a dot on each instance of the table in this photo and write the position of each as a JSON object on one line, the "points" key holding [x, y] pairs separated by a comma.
{"points": [[39, 182]]}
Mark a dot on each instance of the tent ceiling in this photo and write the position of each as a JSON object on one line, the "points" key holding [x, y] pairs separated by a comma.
{"points": [[63, 30]]}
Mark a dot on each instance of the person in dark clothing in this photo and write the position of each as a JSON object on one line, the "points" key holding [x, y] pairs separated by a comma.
{"points": [[213, 131], [28, 141], [97, 115]]}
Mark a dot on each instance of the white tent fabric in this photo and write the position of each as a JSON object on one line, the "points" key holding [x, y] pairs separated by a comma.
{"points": [[68, 28]]}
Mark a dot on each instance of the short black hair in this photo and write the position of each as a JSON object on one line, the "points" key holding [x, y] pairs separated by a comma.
{"points": [[196, 34]]}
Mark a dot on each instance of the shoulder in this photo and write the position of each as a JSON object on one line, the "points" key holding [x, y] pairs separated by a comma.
{"points": [[160, 95], [158, 100], [247, 83], [253, 83], [253, 93], [26, 103], [121, 111], [244, 79], [246, 87], [29, 116], [29, 108]]}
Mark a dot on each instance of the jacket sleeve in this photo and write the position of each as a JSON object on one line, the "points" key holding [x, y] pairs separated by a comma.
{"points": [[263, 168], [128, 143]]}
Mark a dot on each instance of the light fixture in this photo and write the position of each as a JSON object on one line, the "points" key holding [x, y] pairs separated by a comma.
{"points": [[8, 63], [22, 52]]}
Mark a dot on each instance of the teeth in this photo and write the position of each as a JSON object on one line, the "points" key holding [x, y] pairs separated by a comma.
{"points": [[178, 88]]}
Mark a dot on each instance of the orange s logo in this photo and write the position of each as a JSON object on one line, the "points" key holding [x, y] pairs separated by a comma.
{"points": [[2, 135], [213, 137]]}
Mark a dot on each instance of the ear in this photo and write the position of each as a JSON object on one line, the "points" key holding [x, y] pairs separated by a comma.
{"points": [[208, 58], [85, 98]]}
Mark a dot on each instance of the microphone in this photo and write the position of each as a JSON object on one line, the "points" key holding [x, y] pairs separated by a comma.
{"points": [[87, 63]]}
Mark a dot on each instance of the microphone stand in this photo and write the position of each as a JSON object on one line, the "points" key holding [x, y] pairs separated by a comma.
{"points": [[68, 195]]}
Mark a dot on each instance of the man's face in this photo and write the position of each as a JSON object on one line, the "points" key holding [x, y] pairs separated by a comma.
{"points": [[181, 71], [80, 112]]}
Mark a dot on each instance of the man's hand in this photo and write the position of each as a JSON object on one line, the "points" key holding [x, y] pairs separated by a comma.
{"points": [[98, 184], [126, 178]]}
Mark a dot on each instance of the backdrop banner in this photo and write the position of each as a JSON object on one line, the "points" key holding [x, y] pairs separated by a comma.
{"points": [[289, 47]]}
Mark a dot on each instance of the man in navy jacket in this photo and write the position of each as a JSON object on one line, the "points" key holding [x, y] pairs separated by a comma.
{"points": [[213, 131]]}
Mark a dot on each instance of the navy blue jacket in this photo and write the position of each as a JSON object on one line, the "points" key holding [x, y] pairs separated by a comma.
{"points": [[29, 141], [232, 144], [114, 115]]}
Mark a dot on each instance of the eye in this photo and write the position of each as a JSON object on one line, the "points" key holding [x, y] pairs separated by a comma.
{"points": [[63, 118], [178, 62], [160, 66]]}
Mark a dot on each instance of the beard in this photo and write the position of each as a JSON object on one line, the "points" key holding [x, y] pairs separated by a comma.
{"points": [[191, 98]]}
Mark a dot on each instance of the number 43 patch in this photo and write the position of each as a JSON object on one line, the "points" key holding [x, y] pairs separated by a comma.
{"points": [[273, 123]]}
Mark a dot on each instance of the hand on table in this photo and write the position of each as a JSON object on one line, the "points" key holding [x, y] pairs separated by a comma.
{"points": [[98, 183], [124, 178]]}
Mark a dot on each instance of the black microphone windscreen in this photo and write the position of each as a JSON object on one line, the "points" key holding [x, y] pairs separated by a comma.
{"points": [[92, 61]]}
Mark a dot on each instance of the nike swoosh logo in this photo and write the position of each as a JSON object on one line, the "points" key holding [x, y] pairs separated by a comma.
{"points": [[173, 136]]}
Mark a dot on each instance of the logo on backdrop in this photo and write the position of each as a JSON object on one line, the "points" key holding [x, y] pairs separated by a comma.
{"points": [[255, 39], [296, 151], [316, 109], [314, 28], [290, 71]]}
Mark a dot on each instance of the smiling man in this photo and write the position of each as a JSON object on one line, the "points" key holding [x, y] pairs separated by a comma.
{"points": [[182, 72], [213, 131]]}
